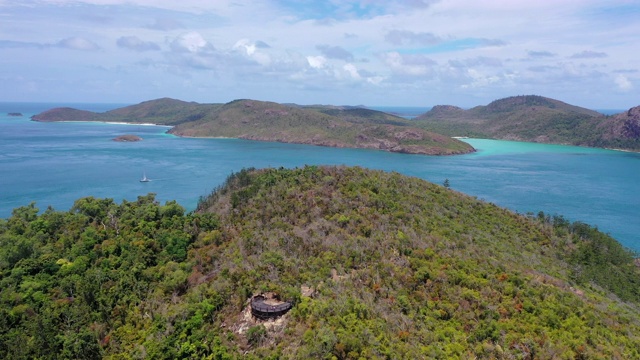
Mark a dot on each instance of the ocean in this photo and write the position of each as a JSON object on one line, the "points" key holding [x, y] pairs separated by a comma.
{"points": [[54, 164]]}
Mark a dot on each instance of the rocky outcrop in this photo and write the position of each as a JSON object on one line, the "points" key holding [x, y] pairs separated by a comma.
{"points": [[127, 138], [623, 126], [631, 125]]}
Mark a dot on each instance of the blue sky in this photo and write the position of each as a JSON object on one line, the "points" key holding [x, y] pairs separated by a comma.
{"points": [[371, 52]]}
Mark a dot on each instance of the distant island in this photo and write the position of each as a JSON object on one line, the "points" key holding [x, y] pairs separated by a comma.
{"points": [[17, 114], [537, 119], [524, 118], [127, 138], [334, 126]]}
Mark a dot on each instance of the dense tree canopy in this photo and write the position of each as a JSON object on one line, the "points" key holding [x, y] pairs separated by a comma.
{"points": [[377, 265]]}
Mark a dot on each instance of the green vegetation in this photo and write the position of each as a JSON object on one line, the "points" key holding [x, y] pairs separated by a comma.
{"points": [[399, 268], [537, 119], [99, 279], [164, 111], [258, 120], [598, 258]]}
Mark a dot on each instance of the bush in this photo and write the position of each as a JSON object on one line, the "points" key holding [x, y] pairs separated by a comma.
{"points": [[256, 335]]}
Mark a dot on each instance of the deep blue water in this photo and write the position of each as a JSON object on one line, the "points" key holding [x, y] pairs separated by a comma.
{"points": [[57, 163]]}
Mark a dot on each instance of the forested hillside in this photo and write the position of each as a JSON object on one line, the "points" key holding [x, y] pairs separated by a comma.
{"points": [[376, 265]]}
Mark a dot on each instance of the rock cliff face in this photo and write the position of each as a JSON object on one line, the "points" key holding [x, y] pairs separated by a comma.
{"points": [[631, 125], [624, 126]]}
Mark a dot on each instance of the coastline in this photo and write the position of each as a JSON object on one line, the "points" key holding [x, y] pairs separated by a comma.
{"points": [[207, 137], [343, 146], [108, 123], [462, 138], [169, 127]]}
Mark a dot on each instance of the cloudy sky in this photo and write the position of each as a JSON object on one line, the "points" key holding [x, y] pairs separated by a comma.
{"points": [[371, 52]]}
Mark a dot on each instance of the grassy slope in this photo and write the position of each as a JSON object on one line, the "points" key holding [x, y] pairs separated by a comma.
{"points": [[401, 269], [531, 118], [256, 120]]}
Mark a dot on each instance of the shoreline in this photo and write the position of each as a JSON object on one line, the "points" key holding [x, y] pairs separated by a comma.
{"points": [[108, 123], [462, 138], [473, 150]]}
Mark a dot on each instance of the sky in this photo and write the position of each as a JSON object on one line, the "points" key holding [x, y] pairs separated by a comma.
{"points": [[341, 52]]}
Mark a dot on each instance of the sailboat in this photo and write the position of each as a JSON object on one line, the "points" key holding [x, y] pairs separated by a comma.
{"points": [[144, 178]]}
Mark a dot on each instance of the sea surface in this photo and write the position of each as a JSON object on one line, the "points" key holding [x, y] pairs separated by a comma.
{"points": [[54, 164]]}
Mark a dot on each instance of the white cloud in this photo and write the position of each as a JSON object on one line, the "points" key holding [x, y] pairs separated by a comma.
{"points": [[136, 44], [623, 83], [415, 65], [480, 79], [317, 62], [335, 52], [191, 42], [406, 47], [588, 54], [352, 71], [246, 45], [401, 37], [165, 24], [78, 43], [540, 54], [252, 50]]}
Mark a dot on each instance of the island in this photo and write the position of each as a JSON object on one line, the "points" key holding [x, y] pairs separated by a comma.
{"points": [[16, 114], [127, 138], [322, 125]]}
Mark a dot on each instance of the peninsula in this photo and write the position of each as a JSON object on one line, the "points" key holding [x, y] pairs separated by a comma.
{"points": [[333, 126], [537, 119]]}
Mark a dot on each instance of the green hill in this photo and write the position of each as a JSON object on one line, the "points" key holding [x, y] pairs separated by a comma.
{"points": [[376, 265], [266, 121], [533, 118], [325, 126], [163, 111]]}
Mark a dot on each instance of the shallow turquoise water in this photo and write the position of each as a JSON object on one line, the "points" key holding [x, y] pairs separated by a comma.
{"points": [[57, 163]]}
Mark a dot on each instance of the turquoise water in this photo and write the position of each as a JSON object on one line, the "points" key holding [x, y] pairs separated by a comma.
{"points": [[57, 163]]}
